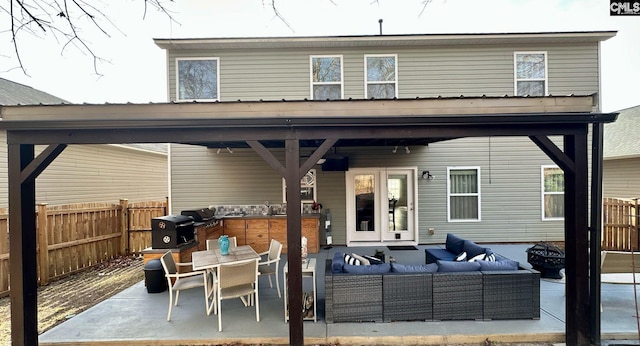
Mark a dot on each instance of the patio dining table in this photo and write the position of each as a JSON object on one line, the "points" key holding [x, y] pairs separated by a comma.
{"points": [[212, 259]]}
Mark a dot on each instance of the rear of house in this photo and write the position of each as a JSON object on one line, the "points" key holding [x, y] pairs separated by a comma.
{"points": [[486, 189]]}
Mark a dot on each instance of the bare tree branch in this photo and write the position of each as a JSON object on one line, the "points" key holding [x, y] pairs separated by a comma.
{"points": [[63, 20]]}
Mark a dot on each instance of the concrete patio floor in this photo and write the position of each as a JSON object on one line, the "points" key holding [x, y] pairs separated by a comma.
{"points": [[135, 317]]}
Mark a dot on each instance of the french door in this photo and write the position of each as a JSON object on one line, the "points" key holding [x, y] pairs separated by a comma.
{"points": [[381, 206]]}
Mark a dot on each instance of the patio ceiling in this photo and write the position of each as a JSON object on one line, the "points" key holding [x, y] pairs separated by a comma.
{"points": [[294, 124]]}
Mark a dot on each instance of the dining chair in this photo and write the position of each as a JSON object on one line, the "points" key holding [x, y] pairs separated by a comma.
{"points": [[192, 279], [212, 244], [270, 265], [238, 280], [233, 242]]}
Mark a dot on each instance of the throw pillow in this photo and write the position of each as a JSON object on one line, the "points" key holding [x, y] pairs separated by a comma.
{"points": [[479, 257], [461, 257], [351, 260], [420, 268], [472, 249], [454, 243], [370, 269], [337, 263], [490, 257], [372, 259], [499, 265], [447, 266], [362, 260]]}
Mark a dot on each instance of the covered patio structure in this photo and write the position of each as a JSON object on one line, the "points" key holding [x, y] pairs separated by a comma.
{"points": [[320, 125]]}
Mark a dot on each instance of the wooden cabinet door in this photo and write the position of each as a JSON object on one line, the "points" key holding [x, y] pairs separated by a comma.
{"points": [[278, 231], [258, 234], [235, 228], [310, 230]]}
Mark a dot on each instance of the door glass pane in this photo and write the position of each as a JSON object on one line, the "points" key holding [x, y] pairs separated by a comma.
{"points": [[365, 197], [398, 202]]}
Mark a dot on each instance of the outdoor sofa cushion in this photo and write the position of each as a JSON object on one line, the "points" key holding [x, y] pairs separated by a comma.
{"points": [[448, 266], [454, 244], [499, 265], [364, 269], [433, 255], [419, 268], [472, 249], [338, 262]]}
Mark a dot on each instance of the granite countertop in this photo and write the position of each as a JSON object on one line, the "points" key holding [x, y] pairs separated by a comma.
{"points": [[260, 216]]}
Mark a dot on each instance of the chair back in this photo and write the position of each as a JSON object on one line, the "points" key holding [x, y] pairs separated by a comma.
{"points": [[233, 242], [168, 263], [238, 273], [212, 244], [275, 249]]}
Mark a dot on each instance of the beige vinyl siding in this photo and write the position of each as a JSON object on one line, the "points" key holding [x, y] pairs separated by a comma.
{"points": [[511, 195], [102, 173], [255, 74], [621, 178]]}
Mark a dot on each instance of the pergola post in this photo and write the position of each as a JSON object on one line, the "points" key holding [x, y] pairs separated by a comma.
{"points": [[22, 242], [576, 241], [597, 143]]}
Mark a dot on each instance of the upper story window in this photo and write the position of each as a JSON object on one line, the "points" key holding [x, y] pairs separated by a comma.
{"points": [[381, 81], [198, 79], [552, 178], [463, 190], [326, 77], [530, 73]]}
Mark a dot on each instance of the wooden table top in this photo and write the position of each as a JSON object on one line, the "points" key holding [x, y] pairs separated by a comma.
{"points": [[209, 259]]}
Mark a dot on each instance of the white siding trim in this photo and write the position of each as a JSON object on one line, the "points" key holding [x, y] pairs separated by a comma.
{"points": [[366, 74], [341, 83], [515, 71], [479, 194]]}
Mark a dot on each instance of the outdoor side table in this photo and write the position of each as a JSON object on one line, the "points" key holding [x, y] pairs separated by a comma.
{"points": [[308, 271]]}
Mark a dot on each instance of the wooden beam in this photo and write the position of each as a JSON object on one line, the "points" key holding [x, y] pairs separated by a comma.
{"points": [[576, 242], [268, 157], [595, 234], [294, 231], [554, 153], [317, 155], [22, 241], [41, 162]]}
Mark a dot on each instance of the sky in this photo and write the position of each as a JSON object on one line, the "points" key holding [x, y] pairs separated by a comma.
{"points": [[133, 69]]}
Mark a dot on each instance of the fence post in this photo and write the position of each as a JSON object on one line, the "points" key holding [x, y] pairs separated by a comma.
{"points": [[43, 243], [124, 226]]}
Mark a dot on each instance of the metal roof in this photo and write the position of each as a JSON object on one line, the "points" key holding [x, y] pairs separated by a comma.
{"points": [[384, 40]]}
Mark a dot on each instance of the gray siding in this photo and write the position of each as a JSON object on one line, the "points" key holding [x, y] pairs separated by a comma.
{"points": [[511, 195], [101, 173], [254, 74], [621, 178]]}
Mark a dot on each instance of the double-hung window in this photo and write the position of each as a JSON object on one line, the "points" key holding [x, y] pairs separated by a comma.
{"points": [[381, 78], [463, 194], [552, 179], [530, 70], [197, 79], [326, 77]]}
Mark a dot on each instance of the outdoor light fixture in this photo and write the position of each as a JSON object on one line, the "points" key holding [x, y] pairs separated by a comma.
{"points": [[218, 151], [229, 150], [395, 149], [427, 176], [406, 149]]}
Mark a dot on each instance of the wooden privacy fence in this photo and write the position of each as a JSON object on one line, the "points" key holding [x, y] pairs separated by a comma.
{"points": [[620, 224], [77, 236]]}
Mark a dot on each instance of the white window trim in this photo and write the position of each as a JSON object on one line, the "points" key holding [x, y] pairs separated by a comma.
{"points": [[177, 72], [515, 72], [312, 83], [366, 74], [478, 194], [543, 193]]}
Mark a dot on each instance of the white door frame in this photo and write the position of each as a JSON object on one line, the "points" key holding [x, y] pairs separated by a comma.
{"points": [[381, 233]]}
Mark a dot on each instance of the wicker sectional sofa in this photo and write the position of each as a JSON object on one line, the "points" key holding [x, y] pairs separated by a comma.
{"points": [[424, 296]]}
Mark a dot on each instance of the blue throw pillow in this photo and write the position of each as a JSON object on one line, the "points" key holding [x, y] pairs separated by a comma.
{"points": [[499, 265], [446, 266], [370, 269], [420, 268], [337, 262], [472, 249], [454, 244]]}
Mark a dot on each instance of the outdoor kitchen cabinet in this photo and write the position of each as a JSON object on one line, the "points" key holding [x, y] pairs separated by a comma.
{"points": [[257, 234], [236, 228], [278, 231]]}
